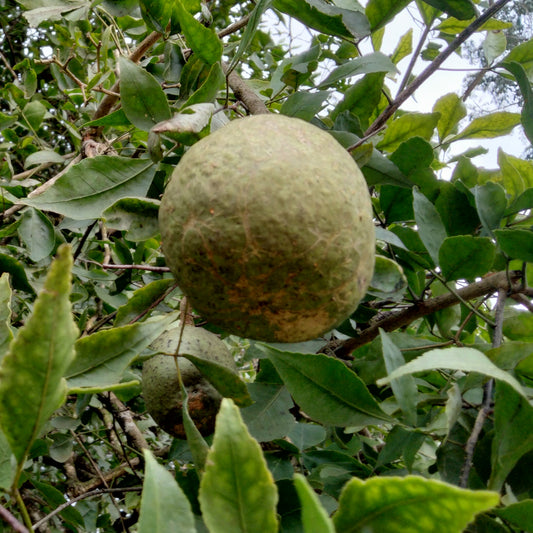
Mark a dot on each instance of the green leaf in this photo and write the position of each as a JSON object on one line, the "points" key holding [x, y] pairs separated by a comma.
{"points": [[164, 506], [142, 97], [453, 26], [404, 47], [370, 63], [315, 519], [37, 233], [203, 41], [466, 257], [142, 300], [404, 388], [408, 126], [491, 203], [304, 105], [313, 381], [516, 242], [55, 498], [32, 386], [460, 9], [16, 270], [411, 503], [517, 173], [489, 126], [326, 18], [136, 216], [269, 417], [210, 86], [513, 433], [494, 45], [94, 184], [34, 113], [8, 464], [380, 12], [250, 30], [6, 334], [452, 110], [518, 514], [237, 492], [102, 357], [388, 281], [522, 54], [518, 325], [430, 226], [464, 359]]}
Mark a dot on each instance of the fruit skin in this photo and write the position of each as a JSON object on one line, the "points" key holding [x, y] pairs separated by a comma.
{"points": [[267, 226], [160, 386]]}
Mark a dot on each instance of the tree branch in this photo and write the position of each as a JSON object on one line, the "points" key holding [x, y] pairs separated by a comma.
{"points": [[434, 65], [242, 91], [395, 320], [12, 522]]}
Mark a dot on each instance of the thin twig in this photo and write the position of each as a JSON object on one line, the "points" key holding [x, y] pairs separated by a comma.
{"points": [[109, 266], [435, 64], [236, 26], [484, 412], [12, 522]]}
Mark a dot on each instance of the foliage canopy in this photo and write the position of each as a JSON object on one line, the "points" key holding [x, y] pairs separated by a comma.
{"points": [[414, 415]]}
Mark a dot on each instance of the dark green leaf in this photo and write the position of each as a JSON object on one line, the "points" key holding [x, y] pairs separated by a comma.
{"points": [[37, 233], [518, 514], [380, 12], [210, 86], [269, 417], [466, 257], [32, 386], [460, 9], [143, 100], [490, 203], [326, 18], [430, 227], [16, 270], [518, 325], [304, 105], [513, 433], [326, 389], [136, 216], [516, 242], [164, 506], [388, 281], [94, 184], [237, 492], [370, 63], [55, 498], [394, 504]]}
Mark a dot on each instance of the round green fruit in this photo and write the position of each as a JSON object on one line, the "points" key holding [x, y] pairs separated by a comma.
{"points": [[160, 386], [267, 226]]}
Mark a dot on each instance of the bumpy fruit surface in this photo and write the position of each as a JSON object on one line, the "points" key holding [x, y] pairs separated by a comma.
{"points": [[160, 386], [267, 226]]}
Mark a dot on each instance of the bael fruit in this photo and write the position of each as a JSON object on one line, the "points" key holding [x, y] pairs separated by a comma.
{"points": [[160, 386], [267, 226]]}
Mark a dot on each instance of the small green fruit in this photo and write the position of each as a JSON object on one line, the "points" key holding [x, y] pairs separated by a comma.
{"points": [[267, 226], [160, 386]]}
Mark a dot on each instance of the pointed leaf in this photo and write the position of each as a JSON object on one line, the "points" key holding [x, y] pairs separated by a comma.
{"points": [[102, 357], [404, 47], [203, 41], [164, 506], [326, 18], [225, 380], [518, 514], [304, 105], [466, 257], [460, 9], [513, 433], [404, 388], [388, 280], [136, 216], [408, 126], [269, 417], [237, 492], [6, 335], [209, 88], [516, 242], [94, 184], [314, 380], [523, 54], [32, 386], [491, 203], [411, 503], [380, 12], [37, 233], [375, 62], [315, 519], [465, 359], [452, 110], [430, 226], [142, 97], [15, 269], [489, 126]]}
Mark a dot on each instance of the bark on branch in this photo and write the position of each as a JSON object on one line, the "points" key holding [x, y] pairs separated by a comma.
{"points": [[509, 281]]}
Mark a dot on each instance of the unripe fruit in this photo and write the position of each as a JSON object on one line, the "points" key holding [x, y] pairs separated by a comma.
{"points": [[267, 226], [160, 385]]}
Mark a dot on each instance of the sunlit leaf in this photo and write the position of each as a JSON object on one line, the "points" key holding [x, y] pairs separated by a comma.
{"points": [[237, 492], [460, 9], [32, 386], [315, 519], [452, 110], [380, 12], [408, 126], [489, 126]]}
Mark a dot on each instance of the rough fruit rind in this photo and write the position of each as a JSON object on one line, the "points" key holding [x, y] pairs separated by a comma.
{"points": [[267, 226], [160, 386]]}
